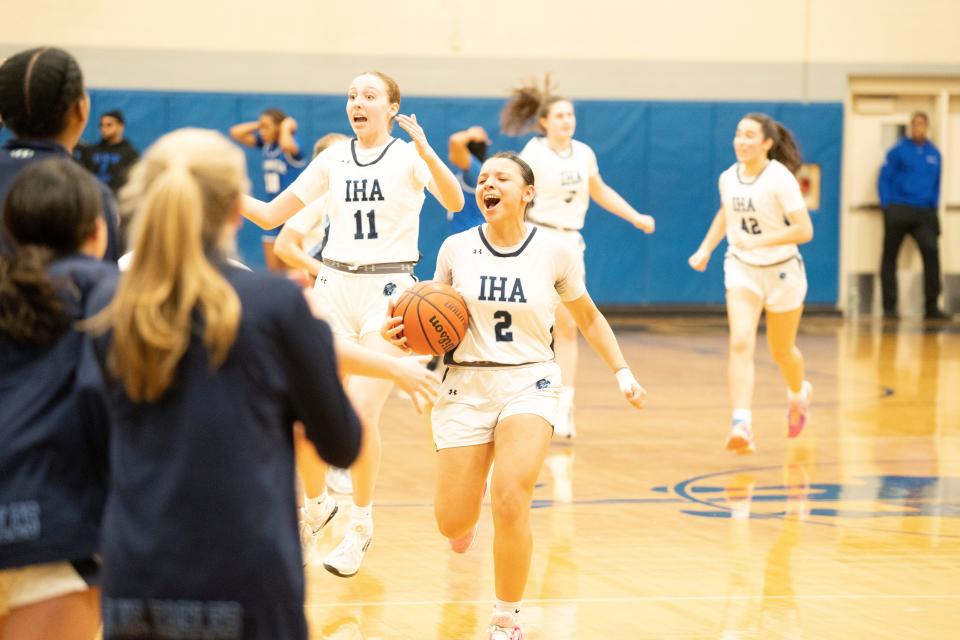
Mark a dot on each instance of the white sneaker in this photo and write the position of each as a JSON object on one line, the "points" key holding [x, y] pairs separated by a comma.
{"points": [[312, 522], [339, 481], [740, 440], [345, 559], [503, 626]]}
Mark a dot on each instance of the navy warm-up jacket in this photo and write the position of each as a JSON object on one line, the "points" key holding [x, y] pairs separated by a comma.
{"points": [[18, 153], [200, 529], [53, 436]]}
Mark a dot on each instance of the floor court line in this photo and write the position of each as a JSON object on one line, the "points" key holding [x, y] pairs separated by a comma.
{"points": [[547, 601]]}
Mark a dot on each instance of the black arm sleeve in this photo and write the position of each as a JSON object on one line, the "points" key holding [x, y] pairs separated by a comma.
{"points": [[316, 395]]}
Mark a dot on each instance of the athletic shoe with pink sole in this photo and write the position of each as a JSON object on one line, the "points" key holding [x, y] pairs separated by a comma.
{"points": [[740, 440], [798, 411], [503, 626]]}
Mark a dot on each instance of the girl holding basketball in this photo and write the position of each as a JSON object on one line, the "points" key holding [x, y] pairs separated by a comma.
{"points": [[374, 191], [501, 393], [567, 179], [764, 218]]}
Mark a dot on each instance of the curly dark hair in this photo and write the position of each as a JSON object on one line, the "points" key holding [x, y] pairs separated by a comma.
{"points": [[51, 209]]}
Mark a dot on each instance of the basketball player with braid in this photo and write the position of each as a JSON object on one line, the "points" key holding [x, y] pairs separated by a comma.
{"points": [[374, 186], [567, 178], [501, 394], [764, 218]]}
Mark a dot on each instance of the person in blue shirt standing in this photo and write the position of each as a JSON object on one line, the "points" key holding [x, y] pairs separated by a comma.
{"points": [[44, 104], [909, 187], [275, 135], [466, 151], [53, 422]]}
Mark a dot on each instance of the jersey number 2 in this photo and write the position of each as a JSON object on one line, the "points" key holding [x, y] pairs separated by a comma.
{"points": [[501, 327], [371, 220]]}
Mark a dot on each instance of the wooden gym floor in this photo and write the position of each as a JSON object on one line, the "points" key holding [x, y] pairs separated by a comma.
{"points": [[646, 528]]}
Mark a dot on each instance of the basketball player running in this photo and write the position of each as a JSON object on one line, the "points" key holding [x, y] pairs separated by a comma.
{"points": [[501, 393], [374, 191], [300, 245], [567, 178], [764, 218]]}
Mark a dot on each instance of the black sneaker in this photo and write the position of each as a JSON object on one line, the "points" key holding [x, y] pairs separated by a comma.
{"points": [[936, 314]]}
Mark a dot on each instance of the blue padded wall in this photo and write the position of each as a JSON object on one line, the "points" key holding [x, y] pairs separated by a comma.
{"points": [[663, 157]]}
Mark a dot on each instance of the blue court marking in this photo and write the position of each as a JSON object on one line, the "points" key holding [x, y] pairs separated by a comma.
{"points": [[949, 508]]}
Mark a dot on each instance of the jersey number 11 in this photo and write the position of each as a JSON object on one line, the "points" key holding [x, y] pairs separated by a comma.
{"points": [[372, 221]]}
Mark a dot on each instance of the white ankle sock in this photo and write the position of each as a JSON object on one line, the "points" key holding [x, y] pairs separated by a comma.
{"points": [[362, 514], [311, 506], [742, 415], [502, 608], [795, 395]]}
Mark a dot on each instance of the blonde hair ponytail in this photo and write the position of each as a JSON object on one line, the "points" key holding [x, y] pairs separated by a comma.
{"points": [[183, 192]]}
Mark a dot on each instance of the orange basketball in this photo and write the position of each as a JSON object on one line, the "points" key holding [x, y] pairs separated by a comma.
{"points": [[434, 317]]}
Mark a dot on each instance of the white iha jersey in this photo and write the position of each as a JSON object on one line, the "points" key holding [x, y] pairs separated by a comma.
{"points": [[511, 294], [562, 181], [374, 197], [759, 205]]}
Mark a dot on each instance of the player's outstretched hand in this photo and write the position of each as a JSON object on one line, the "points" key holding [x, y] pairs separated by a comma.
{"points": [[417, 381], [416, 133]]}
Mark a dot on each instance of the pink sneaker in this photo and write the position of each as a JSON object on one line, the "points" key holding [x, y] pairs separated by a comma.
{"points": [[503, 626], [465, 542], [799, 410], [740, 440]]}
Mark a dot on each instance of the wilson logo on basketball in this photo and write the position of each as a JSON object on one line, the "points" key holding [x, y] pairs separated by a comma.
{"points": [[444, 339], [457, 311]]}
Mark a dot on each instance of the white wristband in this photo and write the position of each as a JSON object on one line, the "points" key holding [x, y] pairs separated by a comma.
{"points": [[625, 379]]}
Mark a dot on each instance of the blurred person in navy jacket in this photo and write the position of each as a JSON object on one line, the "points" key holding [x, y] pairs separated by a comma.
{"points": [[53, 424]]}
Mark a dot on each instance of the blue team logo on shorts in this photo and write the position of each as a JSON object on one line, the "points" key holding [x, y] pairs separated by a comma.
{"points": [[543, 383], [783, 275], [389, 288]]}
